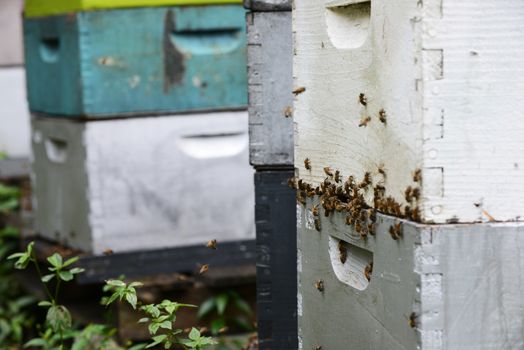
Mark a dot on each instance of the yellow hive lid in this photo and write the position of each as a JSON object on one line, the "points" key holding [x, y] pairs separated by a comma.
{"points": [[41, 8]]}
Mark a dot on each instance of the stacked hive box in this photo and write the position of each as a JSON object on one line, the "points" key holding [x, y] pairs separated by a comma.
{"points": [[14, 114], [271, 153], [139, 131], [419, 106]]}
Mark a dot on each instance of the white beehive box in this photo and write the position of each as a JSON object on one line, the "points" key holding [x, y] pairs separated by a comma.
{"points": [[453, 287], [11, 49], [270, 82], [449, 76], [14, 113], [143, 183]]}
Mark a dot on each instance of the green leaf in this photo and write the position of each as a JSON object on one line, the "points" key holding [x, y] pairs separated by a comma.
{"points": [[217, 325], [36, 342], [153, 328], [131, 298], [243, 323], [76, 270], [143, 320], [157, 340], [59, 318], [115, 283], [45, 303], [222, 301], [55, 260], [66, 276], [194, 334], [243, 306], [166, 325], [206, 307], [71, 261]]}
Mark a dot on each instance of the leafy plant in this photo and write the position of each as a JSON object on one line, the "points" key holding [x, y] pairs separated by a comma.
{"points": [[160, 318], [217, 306]]}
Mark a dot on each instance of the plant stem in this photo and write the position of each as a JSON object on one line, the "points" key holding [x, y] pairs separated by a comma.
{"points": [[37, 266]]}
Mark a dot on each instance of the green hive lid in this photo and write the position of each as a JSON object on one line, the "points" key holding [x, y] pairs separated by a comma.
{"points": [[41, 8]]}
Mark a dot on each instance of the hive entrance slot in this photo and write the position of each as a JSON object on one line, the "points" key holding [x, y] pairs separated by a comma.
{"points": [[348, 22], [352, 265], [49, 48]]}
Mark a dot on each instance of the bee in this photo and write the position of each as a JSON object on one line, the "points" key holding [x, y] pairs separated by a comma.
{"points": [[212, 244], [338, 178], [300, 198], [349, 220], [319, 285], [315, 210], [223, 330], [203, 269], [317, 224], [298, 90], [368, 270], [408, 194], [416, 193], [328, 171], [288, 112], [417, 176], [407, 211], [381, 170], [371, 229], [367, 178], [318, 190], [363, 99], [412, 320], [307, 164], [292, 182], [364, 121], [310, 193], [382, 116], [396, 231], [108, 251], [415, 214], [342, 251]]}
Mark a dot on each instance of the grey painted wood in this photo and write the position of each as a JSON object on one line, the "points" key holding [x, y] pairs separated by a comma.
{"points": [[275, 217], [143, 183], [463, 282], [11, 48], [270, 85], [268, 5], [14, 168]]}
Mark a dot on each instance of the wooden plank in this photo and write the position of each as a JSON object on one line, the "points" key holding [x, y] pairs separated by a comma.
{"points": [[163, 182], [441, 71], [43, 8], [268, 5], [276, 260], [270, 88], [184, 260], [458, 301], [102, 64]]}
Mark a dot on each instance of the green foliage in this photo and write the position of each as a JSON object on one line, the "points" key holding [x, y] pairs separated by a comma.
{"points": [[160, 318], [8, 198], [215, 308]]}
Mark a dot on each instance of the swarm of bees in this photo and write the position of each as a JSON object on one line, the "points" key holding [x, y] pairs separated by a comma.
{"points": [[336, 195], [368, 270]]}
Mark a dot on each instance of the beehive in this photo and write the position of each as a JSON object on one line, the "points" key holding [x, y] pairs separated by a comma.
{"points": [[143, 183], [14, 115], [447, 78], [98, 64], [438, 287]]}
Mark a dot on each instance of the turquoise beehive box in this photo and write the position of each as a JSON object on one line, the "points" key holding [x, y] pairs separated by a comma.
{"points": [[134, 61]]}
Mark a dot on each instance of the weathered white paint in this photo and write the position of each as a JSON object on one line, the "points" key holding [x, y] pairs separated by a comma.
{"points": [[11, 48], [143, 183], [14, 113], [450, 77], [465, 284]]}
